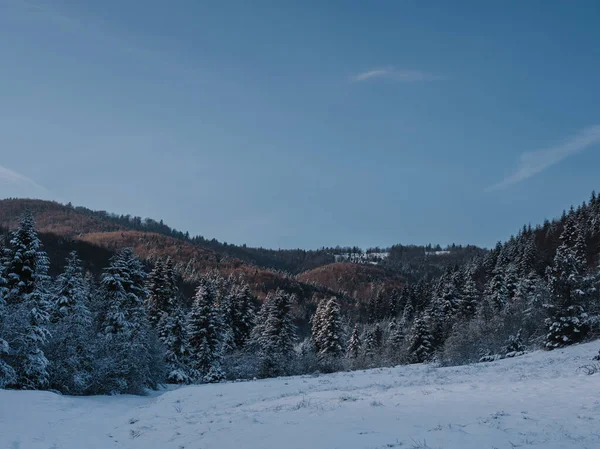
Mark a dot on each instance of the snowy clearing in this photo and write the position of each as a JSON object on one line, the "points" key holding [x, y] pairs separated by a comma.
{"points": [[539, 400]]}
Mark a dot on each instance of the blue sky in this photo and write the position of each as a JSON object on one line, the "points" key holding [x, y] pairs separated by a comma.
{"points": [[303, 124]]}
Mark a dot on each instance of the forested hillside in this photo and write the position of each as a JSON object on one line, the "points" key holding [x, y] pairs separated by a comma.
{"points": [[129, 309]]}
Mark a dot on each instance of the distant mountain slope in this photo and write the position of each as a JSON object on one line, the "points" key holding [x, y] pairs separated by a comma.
{"points": [[357, 281], [54, 217], [67, 220], [98, 234]]}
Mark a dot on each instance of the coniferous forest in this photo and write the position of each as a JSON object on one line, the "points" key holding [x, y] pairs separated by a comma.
{"points": [[134, 325]]}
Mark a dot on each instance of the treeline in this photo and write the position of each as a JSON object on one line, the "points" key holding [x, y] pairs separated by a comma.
{"points": [[130, 330], [539, 289], [409, 260]]}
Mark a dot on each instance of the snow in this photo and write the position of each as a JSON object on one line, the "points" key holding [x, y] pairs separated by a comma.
{"points": [[538, 400], [437, 253], [372, 258]]}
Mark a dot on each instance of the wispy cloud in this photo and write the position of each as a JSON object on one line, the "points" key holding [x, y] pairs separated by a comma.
{"points": [[533, 162], [13, 184], [393, 74]]}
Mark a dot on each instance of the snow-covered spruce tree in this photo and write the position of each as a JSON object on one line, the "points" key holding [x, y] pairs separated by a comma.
{"points": [[567, 282], [394, 303], [25, 261], [165, 313], [69, 287], [420, 346], [276, 334], [7, 373], [496, 292], [330, 334], [444, 309], [527, 261], [205, 334], [174, 339], [33, 368], [71, 349], [159, 293], [243, 314], [316, 322], [354, 344], [470, 296], [370, 346], [514, 345], [129, 359], [236, 303], [408, 313], [395, 339], [25, 267]]}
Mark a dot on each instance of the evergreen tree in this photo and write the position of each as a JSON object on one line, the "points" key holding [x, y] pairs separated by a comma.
{"points": [[70, 288], [370, 345], [159, 294], [204, 334], [277, 334], [165, 313], [396, 336], [174, 338], [25, 267], [128, 352], [567, 282], [496, 293], [527, 263], [420, 347], [331, 331], [408, 313], [470, 297], [243, 314], [25, 261], [354, 344], [317, 321], [378, 337], [33, 370], [7, 373], [70, 349]]}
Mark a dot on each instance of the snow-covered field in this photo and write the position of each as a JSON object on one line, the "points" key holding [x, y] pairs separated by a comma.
{"points": [[539, 400]]}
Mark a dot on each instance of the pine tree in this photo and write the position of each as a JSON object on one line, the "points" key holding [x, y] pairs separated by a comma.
{"points": [[69, 286], [204, 334], [408, 313], [166, 315], [243, 314], [70, 349], [567, 282], [317, 321], [527, 262], [7, 373], [128, 361], [277, 334], [470, 297], [394, 306], [396, 336], [420, 348], [514, 345], [330, 331], [33, 372], [378, 337], [370, 345], [159, 295], [354, 344], [175, 340], [496, 292], [25, 267], [25, 261]]}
